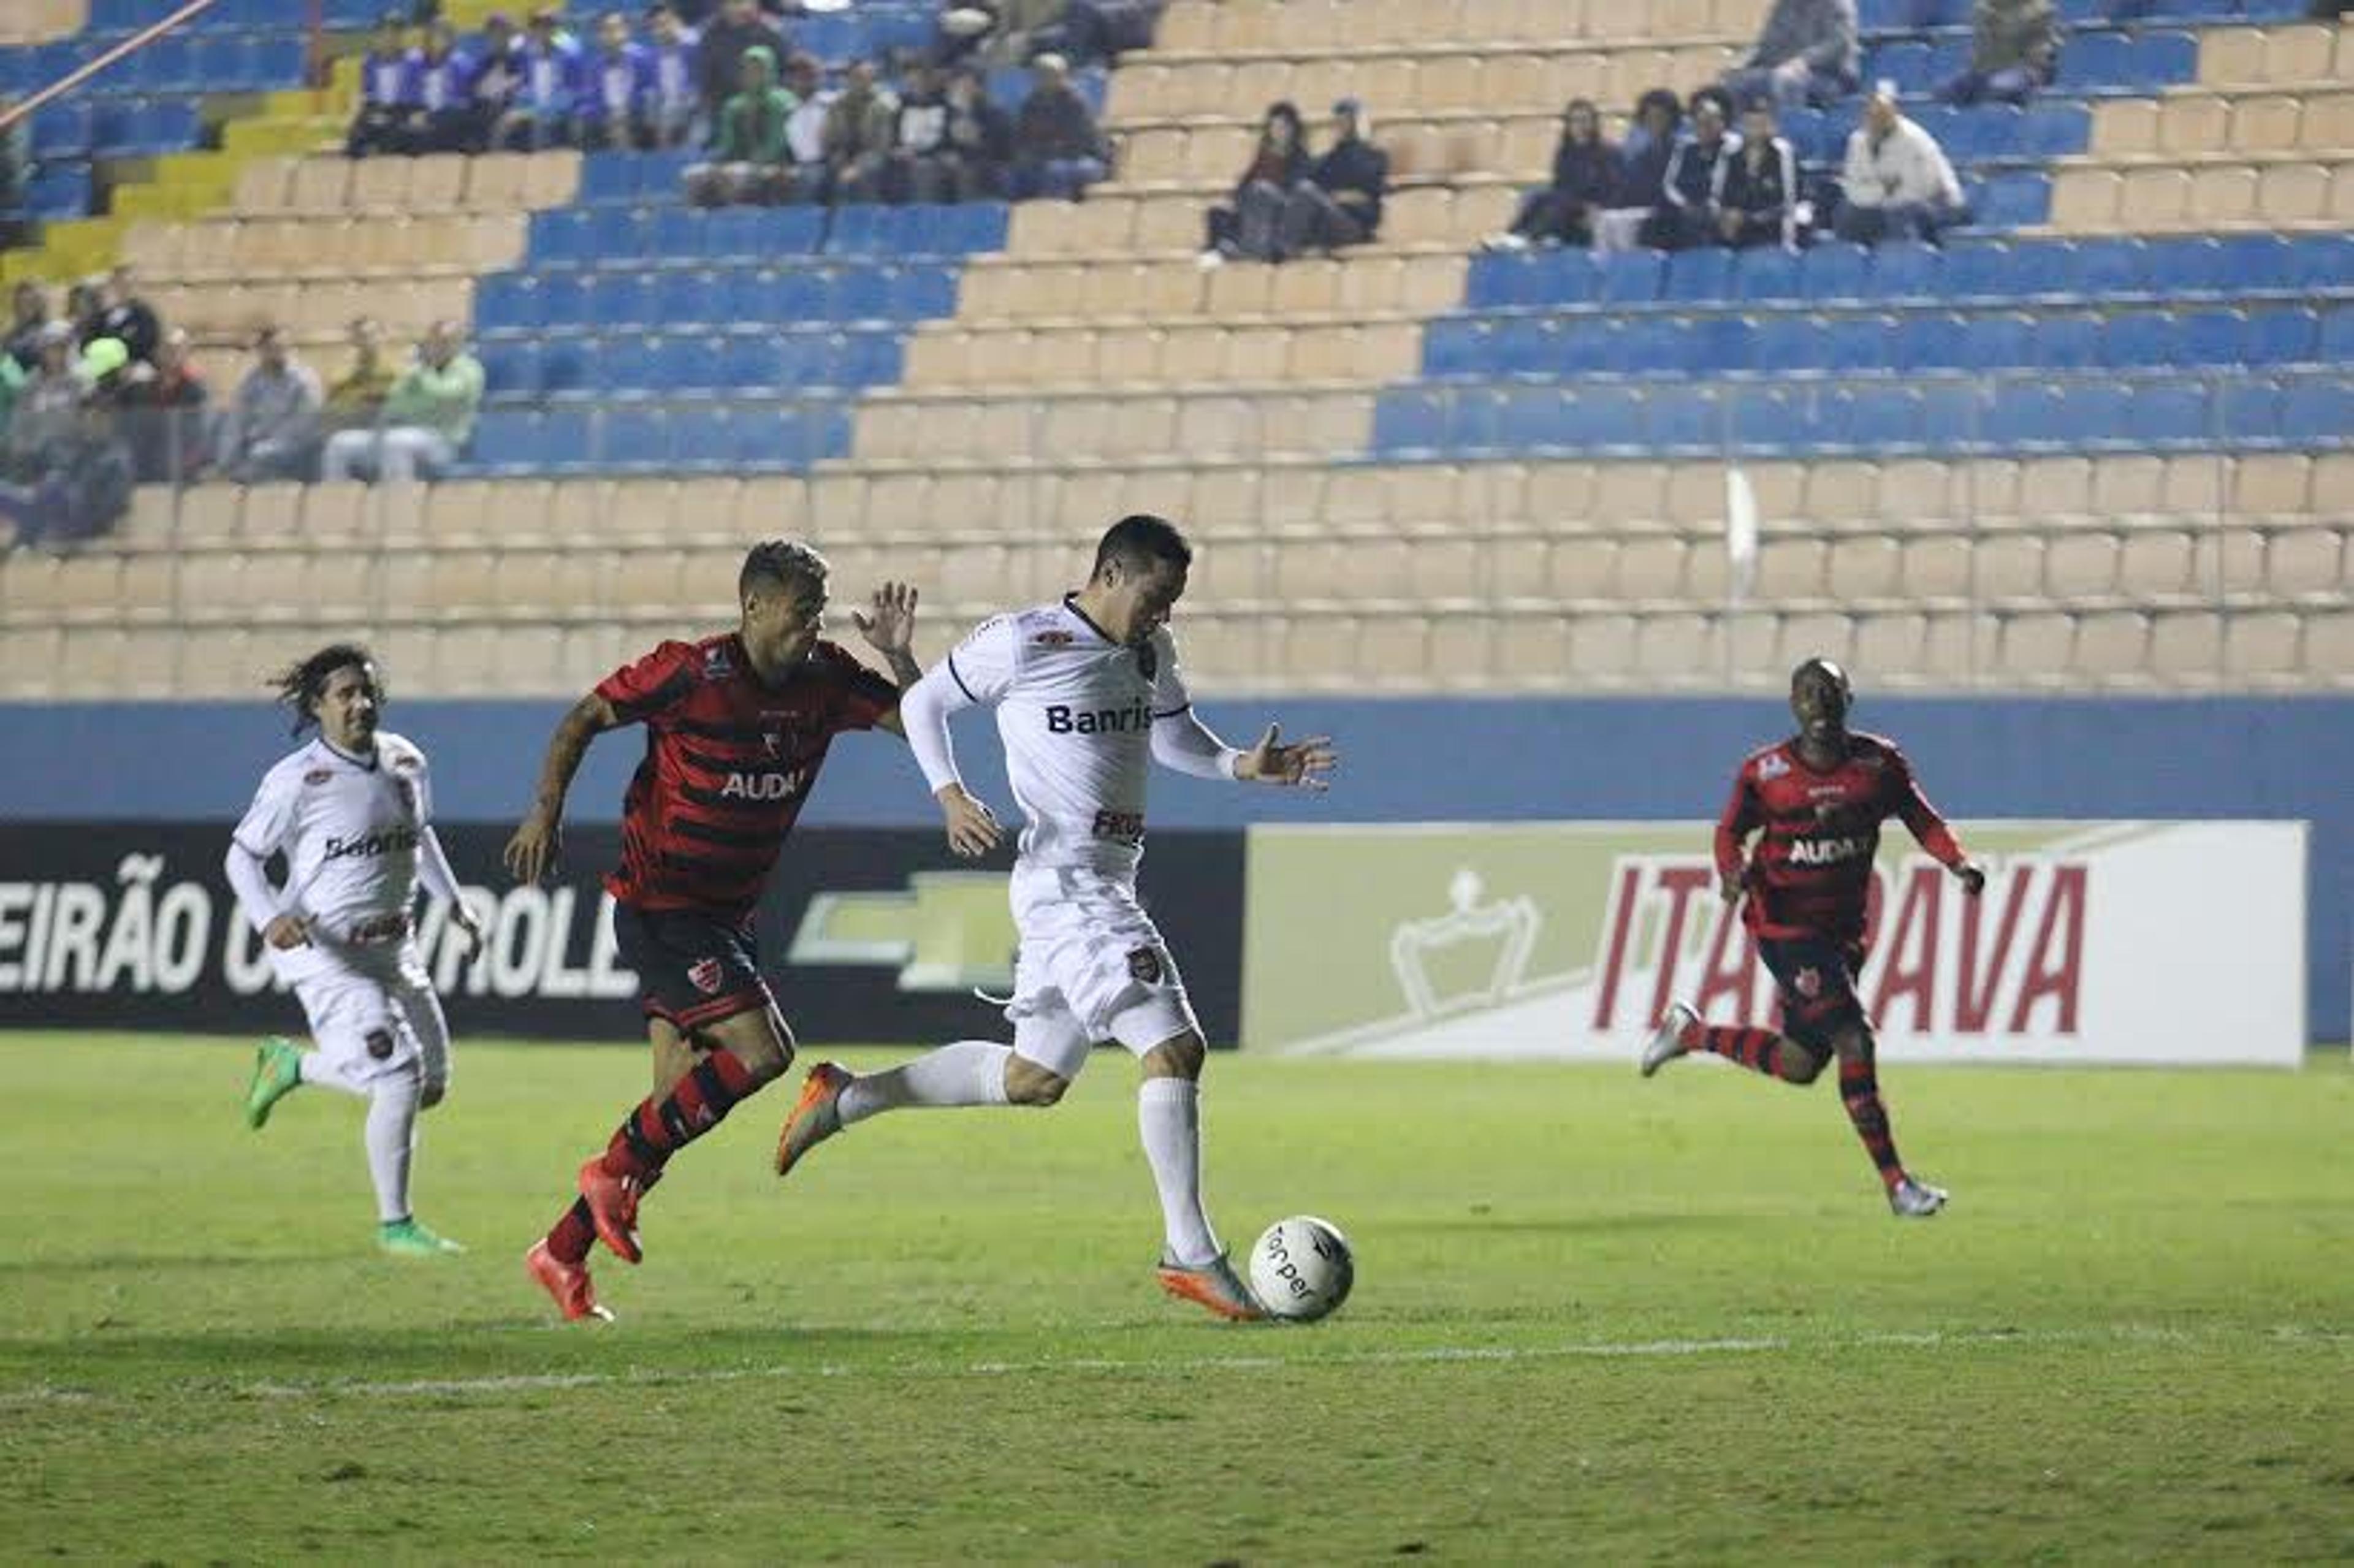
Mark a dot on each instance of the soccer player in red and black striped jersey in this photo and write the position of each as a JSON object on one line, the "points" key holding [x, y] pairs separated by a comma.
{"points": [[1817, 801], [737, 729]]}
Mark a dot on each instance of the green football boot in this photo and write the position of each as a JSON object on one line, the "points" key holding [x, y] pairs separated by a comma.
{"points": [[406, 1238], [277, 1072]]}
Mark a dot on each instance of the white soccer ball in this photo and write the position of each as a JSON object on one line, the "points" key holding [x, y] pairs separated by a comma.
{"points": [[1302, 1269]]}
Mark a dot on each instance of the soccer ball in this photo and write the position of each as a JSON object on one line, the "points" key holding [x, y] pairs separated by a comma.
{"points": [[1302, 1269]]}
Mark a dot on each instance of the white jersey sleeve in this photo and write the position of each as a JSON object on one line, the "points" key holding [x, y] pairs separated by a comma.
{"points": [[1180, 741], [989, 660], [267, 822]]}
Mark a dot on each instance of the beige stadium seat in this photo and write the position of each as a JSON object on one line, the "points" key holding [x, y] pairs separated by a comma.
{"points": [[495, 181], [2297, 52], [2330, 648], [2272, 124], [2008, 567], [1187, 26], [1791, 568], [2221, 196], [1816, 635], [2333, 485], [2081, 564], [29, 660], [2127, 127], [1581, 570], [2341, 195], [1602, 649], [2186, 647], [2155, 565], [2154, 200], [2123, 486], [381, 185], [2085, 200], [1865, 568], [1937, 568], [2229, 560], [437, 183], [2113, 647], [2263, 646], [2194, 124], [319, 185], [209, 512], [1889, 645], [2305, 562], [551, 178], [218, 661], [2272, 484], [2293, 192], [1915, 492], [1679, 649], [1531, 652], [2327, 124], [2230, 56]]}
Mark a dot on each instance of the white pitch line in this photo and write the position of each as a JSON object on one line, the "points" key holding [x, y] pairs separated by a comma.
{"points": [[1430, 1355]]}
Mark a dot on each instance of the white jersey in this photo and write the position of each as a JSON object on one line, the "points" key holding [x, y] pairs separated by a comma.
{"points": [[1076, 711], [350, 831]]}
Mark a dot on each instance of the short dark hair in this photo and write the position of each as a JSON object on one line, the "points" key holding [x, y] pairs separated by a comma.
{"points": [[783, 562], [301, 683], [1831, 667], [1139, 539]]}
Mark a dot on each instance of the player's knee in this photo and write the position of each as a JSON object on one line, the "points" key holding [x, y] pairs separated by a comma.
{"points": [[1183, 1057], [1028, 1083], [1802, 1064]]}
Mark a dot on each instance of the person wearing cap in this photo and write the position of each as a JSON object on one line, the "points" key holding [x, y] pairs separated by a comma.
{"points": [[1057, 151], [1896, 183], [2014, 52], [748, 151], [47, 406], [272, 427], [1340, 202], [1807, 53]]}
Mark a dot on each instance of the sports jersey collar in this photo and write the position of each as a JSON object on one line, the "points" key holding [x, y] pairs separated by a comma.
{"points": [[1796, 747], [365, 764], [1071, 603]]}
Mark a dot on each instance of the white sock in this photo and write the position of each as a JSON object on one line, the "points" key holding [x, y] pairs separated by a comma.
{"points": [[969, 1073], [316, 1069], [391, 1138], [1169, 1117]]}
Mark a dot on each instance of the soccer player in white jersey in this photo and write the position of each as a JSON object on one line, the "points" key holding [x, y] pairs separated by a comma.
{"points": [[352, 812], [1088, 696]]}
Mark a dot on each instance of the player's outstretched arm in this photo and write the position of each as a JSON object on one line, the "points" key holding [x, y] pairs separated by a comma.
{"points": [[442, 882], [539, 839], [889, 624], [1931, 832], [973, 829], [1302, 765]]}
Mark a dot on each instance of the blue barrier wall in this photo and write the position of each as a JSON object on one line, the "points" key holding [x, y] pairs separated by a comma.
{"points": [[1467, 759]]}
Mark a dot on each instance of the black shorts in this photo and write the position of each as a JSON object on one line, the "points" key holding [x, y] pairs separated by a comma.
{"points": [[693, 969], [1816, 977]]}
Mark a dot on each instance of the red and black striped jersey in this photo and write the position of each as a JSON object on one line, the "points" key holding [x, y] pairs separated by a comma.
{"points": [[728, 763], [1811, 873]]}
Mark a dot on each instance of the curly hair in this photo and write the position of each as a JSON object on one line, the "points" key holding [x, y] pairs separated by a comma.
{"points": [[301, 683]]}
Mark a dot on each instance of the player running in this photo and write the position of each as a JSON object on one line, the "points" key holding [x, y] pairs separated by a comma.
{"points": [[1819, 798], [1087, 695], [736, 728], [352, 812]]}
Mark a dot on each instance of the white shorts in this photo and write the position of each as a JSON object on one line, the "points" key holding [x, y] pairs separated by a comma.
{"points": [[1093, 967], [373, 1014]]}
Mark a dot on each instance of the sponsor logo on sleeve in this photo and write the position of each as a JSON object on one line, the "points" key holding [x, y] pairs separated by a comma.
{"points": [[1144, 965]]}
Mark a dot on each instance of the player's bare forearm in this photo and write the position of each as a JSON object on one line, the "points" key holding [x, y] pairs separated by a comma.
{"points": [[590, 718]]}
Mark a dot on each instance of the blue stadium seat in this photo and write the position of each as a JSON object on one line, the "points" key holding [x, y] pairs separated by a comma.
{"points": [[2170, 413], [2211, 336], [1857, 342], [974, 227], [2323, 263], [59, 191], [1770, 418], [1408, 423], [1785, 341], [788, 230], [706, 437], [808, 359], [1586, 346], [1558, 277], [2068, 340], [618, 234], [749, 363], [1534, 419], [1952, 414], [2054, 130], [1838, 274], [109, 126], [872, 359], [736, 234], [634, 439], [1696, 275], [671, 364], [2163, 59], [2094, 414], [856, 293], [2004, 341], [563, 238], [616, 300], [2290, 335], [1684, 420], [1768, 275], [2112, 269], [227, 62], [1649, 345], [1876, 419], [508, 302], [1455, 346], [608, 178], [61, 130], [1990, 269], [568, 299], [2336, 335], [2135, 340], [679, 297], [2022, 414], [2013, 201], [2096, 60], [2249, 412], [1632, 277], [166, 65], [1469, 419], [679, 236], [1722, 342], [2316, 411], [565, 366], [865, 230], [1906, 272], [2187, 264], [507, 440], [921, 294], [1908, 64], [510, 368], [1930, 342]]}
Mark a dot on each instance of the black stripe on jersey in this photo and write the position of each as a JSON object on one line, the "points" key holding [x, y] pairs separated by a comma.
{"points": [[735, 873], [726, 837], [958, 679], [713, 729], [653, 701], [1173, 713], [755, 759]]}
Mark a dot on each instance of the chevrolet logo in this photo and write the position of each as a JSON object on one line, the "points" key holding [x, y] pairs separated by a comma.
{"points": [[951, 931]]}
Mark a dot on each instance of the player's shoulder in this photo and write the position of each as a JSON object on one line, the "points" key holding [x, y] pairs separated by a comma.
{"points": [[1872, 753], [306, 767], [837, 664], [401, 754], [713, 658], [1768, 761], [1054, 625]]}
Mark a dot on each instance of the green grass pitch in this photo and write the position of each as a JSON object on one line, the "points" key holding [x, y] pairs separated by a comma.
{"points": [[1595, 1317]]}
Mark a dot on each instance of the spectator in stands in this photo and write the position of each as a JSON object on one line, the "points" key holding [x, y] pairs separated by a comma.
{"points": [[1093, 30], [1340, 202], [616, 103], [1057, 151], [357, 395], [1757, 197], [12, 382], [2014, 50], [861, 129], [921, 168], [803, 174], [675, 100], [1686, 215], [387, 93], [29, 314], [496, 82], [979, 146], [1896, 183], [48, 404], [428, 419], [15, 171], [1807, 54], [1657, 124], [81, 485], [996, 32], [440, 117], [540, 114], [164, 409], [719, 56], [1252, 225], [272, 428], [82, 308], [749, 156], [1587, 173], [123, 313]]}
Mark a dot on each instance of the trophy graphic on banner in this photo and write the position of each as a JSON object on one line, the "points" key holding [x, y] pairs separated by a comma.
{"points": [[1473, 956]]}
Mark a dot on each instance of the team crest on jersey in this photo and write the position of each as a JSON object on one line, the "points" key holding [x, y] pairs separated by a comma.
{"points": [[406, 762], [1144, 965], [705, 975], [318, 775], [717, 665], [1772, 766], [1808, 983], [1054, 638]]}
